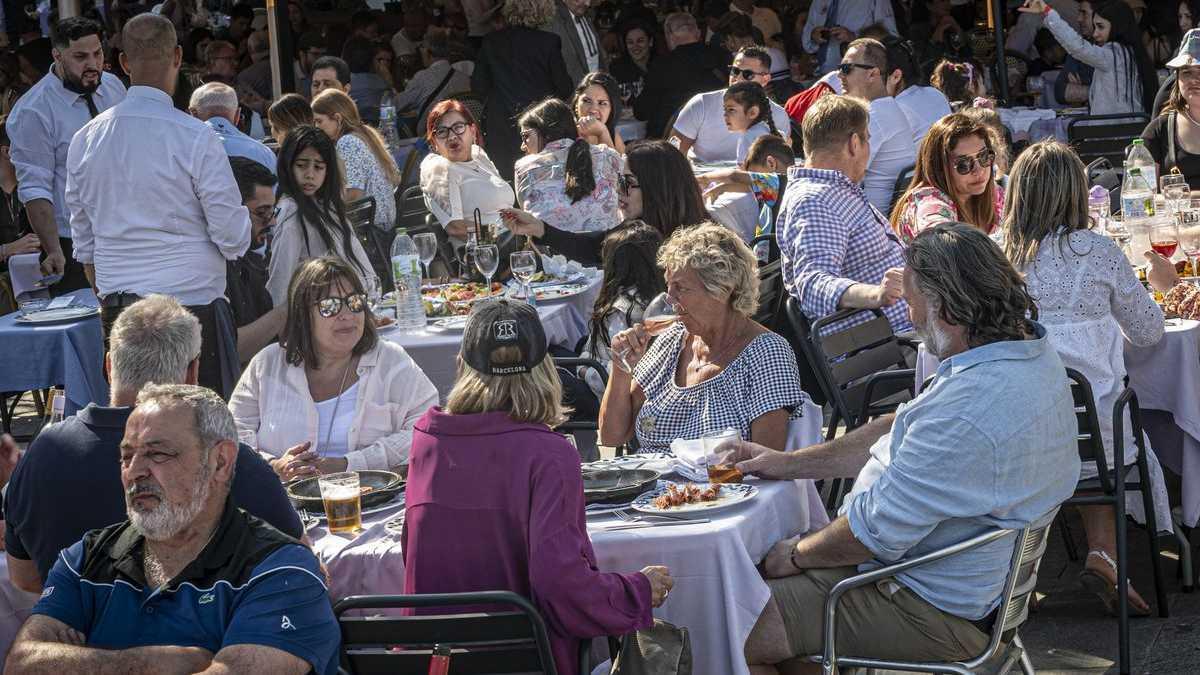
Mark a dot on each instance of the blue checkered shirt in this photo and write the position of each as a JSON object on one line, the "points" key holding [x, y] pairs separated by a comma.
{"points": [[831, 238]]}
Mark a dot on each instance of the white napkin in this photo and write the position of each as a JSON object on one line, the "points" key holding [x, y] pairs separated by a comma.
{"points": [[25, 273], [559, 266]]}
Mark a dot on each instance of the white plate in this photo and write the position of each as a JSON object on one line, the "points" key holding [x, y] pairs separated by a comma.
{"points": [[452, 323], [559, 291], [57, 315], [731, 494]]}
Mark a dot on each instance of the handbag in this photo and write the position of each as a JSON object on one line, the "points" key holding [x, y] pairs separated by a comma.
{"points": [[662, 649]]}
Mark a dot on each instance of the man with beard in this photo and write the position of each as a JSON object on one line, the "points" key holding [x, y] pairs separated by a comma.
{"points": [[989, 443], [187, 568], [246, 277], [41, 126], [154, 206], [154, 340]]}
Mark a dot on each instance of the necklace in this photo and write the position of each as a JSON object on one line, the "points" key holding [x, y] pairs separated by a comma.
{"points": [[336, 402]]}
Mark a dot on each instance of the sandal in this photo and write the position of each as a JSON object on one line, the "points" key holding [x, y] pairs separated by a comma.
{"points": [[1106, 590]]}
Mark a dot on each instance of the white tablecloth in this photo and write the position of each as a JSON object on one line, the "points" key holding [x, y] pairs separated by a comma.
{"points": [[435, 350], [14, 609]]}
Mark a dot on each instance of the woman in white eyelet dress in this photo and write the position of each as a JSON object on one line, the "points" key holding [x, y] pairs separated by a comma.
{"points": [[1091, 302]]}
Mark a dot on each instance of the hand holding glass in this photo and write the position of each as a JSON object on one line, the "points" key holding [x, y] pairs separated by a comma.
{"points": [[658, 317]]}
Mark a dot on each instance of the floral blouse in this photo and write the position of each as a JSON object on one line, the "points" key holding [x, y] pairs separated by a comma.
{"points": [[929, 206], [541, 188], [363, 172]]}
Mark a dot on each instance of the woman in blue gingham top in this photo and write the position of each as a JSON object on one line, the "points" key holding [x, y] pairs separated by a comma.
{"points": [[715, 368]]}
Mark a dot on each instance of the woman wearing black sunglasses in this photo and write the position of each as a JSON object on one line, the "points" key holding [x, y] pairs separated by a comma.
{"points": [[331, 396], [954, 180]]}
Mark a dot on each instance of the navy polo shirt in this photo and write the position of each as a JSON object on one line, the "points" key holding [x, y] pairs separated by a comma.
{"points": [[69, 482], [250, 585]]}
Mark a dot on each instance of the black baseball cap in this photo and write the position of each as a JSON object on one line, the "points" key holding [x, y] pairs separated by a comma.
{"points": [[493, 324]]}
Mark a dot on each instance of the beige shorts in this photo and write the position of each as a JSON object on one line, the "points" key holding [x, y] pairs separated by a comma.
{"points": [[872, 620]]}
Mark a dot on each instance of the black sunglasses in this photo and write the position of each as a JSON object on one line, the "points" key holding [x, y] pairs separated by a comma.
{"points": [[627, 182], [459, 128], [965, 165], [330, 307], [847, 68], [744, 73]]}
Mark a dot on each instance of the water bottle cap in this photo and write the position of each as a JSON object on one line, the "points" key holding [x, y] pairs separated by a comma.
{"points": [[1097, 194], [1138, 141]]}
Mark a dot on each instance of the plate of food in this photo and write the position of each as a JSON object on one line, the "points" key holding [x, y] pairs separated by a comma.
{"points": [[693, 497], [460, 292]]}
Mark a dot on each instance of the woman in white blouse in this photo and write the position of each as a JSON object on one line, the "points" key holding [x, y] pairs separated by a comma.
{"points": [[370, 170], [457, 177], [1090, 302], [332, 396]]}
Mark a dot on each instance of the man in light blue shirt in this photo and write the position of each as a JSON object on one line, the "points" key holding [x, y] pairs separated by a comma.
{"points": [[989, 444], [216, 104]]}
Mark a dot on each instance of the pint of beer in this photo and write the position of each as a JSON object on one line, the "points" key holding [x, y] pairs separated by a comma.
{"points": [[343, 507]]}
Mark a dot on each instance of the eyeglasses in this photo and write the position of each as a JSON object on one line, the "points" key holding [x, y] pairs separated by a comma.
{"points": [[526, 134], [266, 213], [459, 128], [983, 159], [744, 73], [847, 68], [627, 182], [330, 307]]}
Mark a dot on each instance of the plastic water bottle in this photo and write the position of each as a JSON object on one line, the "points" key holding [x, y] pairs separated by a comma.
{"points": [[1137, 156], [1137, 197], [406, 275], [1098, 208], [387, 124]]}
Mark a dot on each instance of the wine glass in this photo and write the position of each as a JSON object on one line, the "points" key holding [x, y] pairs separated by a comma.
{"points": [[523, 265], [374, 290], [657, 318], [487, 259], [427, 245], [1179, 197], [1164, 237]]}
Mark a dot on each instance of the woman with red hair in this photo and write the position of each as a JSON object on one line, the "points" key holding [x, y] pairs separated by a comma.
{"points": [[457, 177]]}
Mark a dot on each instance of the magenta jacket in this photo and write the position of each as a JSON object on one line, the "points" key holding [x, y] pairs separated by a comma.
{"points": [[494, 504]]}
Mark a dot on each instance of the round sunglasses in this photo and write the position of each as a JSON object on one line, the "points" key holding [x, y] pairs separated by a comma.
{"points": [[966, 164]]}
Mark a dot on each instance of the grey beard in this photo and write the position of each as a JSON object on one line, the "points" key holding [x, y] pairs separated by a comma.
{"points": [[167, 520]]}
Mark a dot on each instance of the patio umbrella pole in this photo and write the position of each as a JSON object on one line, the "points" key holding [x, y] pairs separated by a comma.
{"points": [[996, 23]]}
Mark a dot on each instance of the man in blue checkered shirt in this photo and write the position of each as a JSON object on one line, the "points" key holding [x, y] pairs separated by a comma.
{"points": [[838, 250]]}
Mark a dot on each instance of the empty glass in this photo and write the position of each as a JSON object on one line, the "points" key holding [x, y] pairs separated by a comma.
{"points": [[487, 260], [427, 245], [524, 266]]}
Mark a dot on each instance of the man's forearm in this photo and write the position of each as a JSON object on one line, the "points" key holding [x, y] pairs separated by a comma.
{"points": [[41, 219], [842, 457], [257, 334], [831, 546], [55, 658], [860, 296]]}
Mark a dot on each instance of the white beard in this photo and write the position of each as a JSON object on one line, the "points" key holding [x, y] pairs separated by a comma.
{"points": [[167, 520], [937, 342]]}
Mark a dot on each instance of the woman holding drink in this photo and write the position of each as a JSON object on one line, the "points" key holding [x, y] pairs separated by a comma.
{"points": [[712, 367], [331, 396]]}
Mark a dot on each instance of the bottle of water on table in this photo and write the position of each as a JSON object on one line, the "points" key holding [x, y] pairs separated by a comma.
{"points": [[406, 275]]}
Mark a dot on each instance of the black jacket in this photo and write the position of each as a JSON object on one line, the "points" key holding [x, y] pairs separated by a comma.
{"points": [[674, 78]]}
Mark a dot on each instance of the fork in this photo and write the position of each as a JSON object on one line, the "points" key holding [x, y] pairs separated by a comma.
{"points": [[642, 517]]}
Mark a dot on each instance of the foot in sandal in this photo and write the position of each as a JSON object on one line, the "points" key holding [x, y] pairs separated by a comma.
{"points": [[1099, 576]]}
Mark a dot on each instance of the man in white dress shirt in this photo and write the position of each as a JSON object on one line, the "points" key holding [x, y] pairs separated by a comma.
{"points": [[922, 105], [581, 49], [41, 125], [700, 132], [890, 136], [154, 205]]}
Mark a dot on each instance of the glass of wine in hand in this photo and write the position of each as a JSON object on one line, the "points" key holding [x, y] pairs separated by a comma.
{"points": [[1164, 237], [523, 265], [656, 319], [487, 260]]}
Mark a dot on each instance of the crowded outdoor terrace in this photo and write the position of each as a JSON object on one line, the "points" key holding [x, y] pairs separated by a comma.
{"points": [[608, 336]]}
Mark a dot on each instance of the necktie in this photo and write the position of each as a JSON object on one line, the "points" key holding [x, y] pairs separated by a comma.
{"points": [[830, 22], [589, 40], [91, 104]]}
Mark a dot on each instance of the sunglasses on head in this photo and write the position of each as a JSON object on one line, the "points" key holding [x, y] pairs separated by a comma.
{"points": [[744, 73], [331, 306], [966, 164], [458, 128], [627, 182], [847, 68]]}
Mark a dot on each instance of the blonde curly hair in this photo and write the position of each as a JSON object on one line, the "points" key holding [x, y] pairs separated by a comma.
{"points": [[725, 264], [528, 13]]}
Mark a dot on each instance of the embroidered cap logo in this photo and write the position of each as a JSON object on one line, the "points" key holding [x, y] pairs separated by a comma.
{"points": [[506, 330]]}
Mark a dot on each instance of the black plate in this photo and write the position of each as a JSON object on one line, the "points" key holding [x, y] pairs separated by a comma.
{"points": [[306, 494], [617, 485]]}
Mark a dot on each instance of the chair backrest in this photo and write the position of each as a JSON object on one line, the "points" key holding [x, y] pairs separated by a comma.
{"points": [[770, 294], [1089, 438], [412, 208], [847, 357], [1095, 136], [361, 212], [512, 641], [795, 328], [902, 182], [473, 102], [573, 363]]}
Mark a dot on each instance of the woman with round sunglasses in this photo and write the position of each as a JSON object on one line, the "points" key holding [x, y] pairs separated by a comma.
{"points": [[331, 396], [954, 180], [458, 177]]}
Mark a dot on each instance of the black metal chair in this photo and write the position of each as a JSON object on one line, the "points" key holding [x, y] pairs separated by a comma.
{"points": [[512, 641], [1096, 136], [771, 291], [376, 242], [475, 103], [902, 182], [411, 209], [1108, 489]]}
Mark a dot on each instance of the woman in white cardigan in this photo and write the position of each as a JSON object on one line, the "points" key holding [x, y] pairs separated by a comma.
{"points": [[332, 396]]}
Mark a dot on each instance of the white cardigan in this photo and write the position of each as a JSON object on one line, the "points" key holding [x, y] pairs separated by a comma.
{"points": [[272, 401]]}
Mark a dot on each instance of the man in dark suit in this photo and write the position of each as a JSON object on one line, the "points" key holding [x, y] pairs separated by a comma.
{"points": [[690, 68], [581, 49]]}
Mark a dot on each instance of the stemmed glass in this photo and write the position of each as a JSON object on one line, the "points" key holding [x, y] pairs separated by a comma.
{"points": [[657, 318], [487, 259], [427, 245], [523, 265], [1164, 237], [374, 290]]}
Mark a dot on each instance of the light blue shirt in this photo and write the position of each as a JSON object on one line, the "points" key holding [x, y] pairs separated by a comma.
{"points": [[238, 144], [41, 126], [990, 443]]}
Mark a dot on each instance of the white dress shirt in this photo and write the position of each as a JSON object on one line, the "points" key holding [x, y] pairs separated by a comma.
{"points": [[41, 126], [892, 151], [153, 202], [272, 401], [702, 119], [922, 106]]}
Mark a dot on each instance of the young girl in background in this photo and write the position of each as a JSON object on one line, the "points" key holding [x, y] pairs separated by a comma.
{"points": [[312, 216], [960, 82], [748, 112]]}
